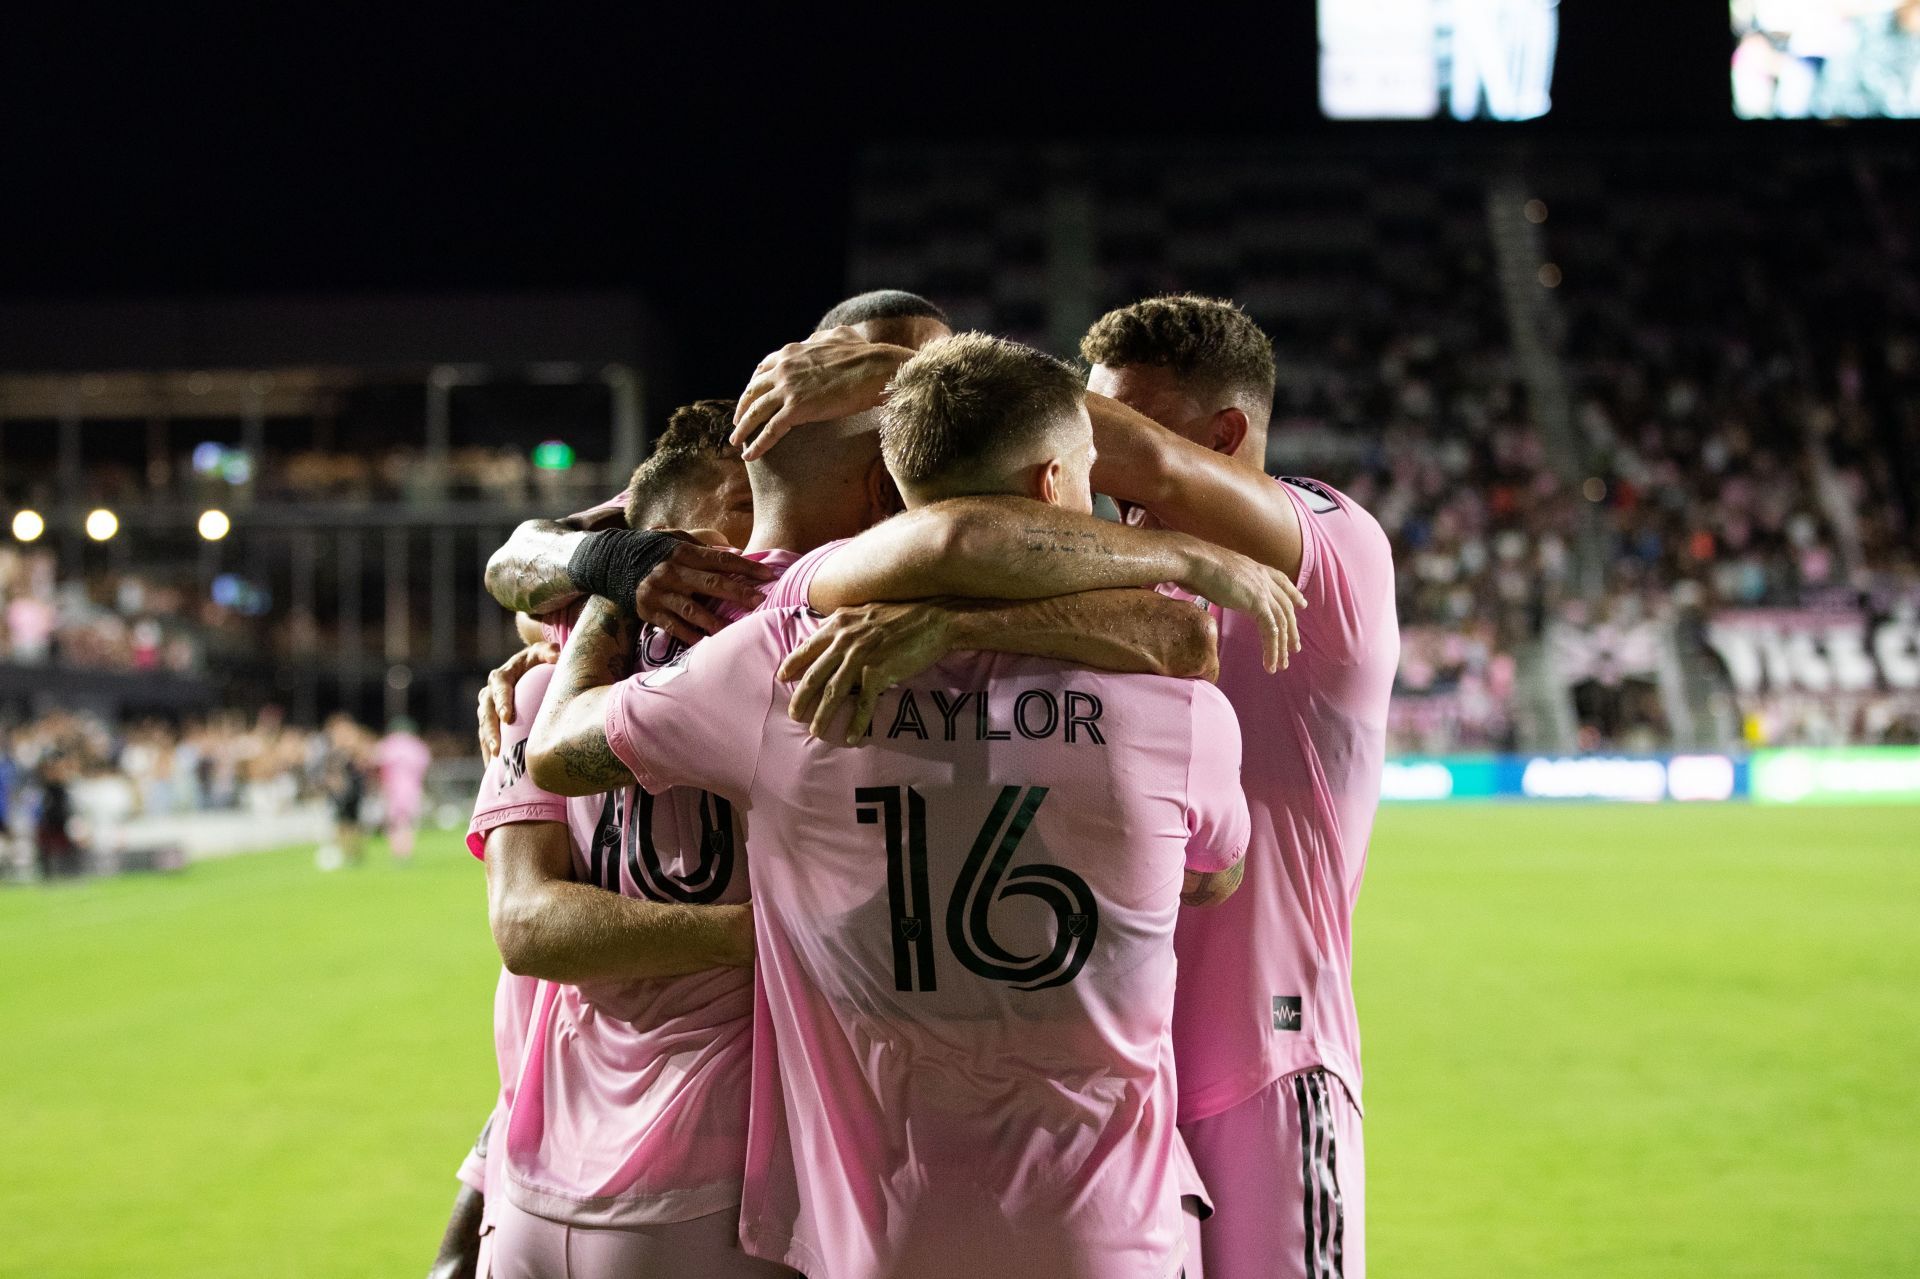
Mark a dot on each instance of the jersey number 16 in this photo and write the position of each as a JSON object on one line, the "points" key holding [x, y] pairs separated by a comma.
{"points": [[984, 880]]}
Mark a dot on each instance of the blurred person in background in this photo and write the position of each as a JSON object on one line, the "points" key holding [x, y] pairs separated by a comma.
{"points": [[343, 777], [401, 760], [8, 770], [54, 843]]}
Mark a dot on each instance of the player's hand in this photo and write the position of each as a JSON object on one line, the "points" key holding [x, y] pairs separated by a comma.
{"points": [[1265, 594], [832, 374], [857, 654], [668, 597], [496, 699]]}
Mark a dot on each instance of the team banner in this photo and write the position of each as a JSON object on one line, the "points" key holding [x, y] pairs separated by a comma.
{"points": [[1876, 774], [1816, 651]]}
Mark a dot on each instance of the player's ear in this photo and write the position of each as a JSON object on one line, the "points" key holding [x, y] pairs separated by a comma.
{"points": [[1229, 430], [1049, 482], [883, 495]]}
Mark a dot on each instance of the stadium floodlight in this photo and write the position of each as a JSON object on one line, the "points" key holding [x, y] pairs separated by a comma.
{"points": [[102, 524], [28, 525], [214, 524]]}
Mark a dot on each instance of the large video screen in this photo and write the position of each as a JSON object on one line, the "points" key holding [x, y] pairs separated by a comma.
{"points": [[1428, 59], [1826, 59]]}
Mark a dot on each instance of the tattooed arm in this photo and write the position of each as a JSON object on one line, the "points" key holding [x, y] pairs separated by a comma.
{"points": [[529, 573], [1210, 888], [568, 752], [1012, 548]]}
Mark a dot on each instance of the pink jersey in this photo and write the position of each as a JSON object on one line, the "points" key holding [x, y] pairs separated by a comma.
{"points": [[635, 1109], [508, 795], [402, 760], [1267, 977], [964, 951]]}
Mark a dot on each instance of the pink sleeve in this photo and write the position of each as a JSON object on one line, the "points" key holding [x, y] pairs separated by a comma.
{"points": [[507, 794], [1346, 571], [795, 585], [1217, 823], [698, 720]]}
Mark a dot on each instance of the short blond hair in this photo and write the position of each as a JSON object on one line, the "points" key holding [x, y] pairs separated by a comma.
{"points": [[968, 403]]}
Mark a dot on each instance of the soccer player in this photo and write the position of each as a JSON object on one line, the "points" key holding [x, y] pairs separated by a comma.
{"points": [[346, 786], [964, 930], [400, 760], [624, 1146], [1265, 1028], [543, 921]]}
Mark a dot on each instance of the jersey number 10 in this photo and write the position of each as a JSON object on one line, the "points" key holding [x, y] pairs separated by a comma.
{"points": [[984, 880]]}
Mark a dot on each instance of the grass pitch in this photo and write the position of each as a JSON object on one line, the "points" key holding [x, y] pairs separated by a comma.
{"points": [[1600, 1041]]}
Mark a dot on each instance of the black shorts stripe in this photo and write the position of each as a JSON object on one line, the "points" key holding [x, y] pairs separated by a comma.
{"points": [[1309, 1135], [1321, 1204], [1336, 1239]]}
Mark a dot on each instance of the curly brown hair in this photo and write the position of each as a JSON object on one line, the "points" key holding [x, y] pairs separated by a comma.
{"points": [[1207, 341], [696, 434]]}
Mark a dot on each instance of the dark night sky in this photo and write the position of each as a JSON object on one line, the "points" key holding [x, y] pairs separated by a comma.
{"points": [[700, 160]]}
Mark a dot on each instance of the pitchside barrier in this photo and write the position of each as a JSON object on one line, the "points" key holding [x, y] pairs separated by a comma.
{"points": [[1811, 775]]}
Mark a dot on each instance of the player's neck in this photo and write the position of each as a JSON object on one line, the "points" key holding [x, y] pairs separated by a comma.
{"points": [[802, 526], [1253, 448]]}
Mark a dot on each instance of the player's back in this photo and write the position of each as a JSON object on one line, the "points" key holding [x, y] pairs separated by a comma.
{"points": [[965, 949]]}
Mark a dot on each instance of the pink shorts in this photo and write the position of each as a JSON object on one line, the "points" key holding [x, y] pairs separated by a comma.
{"points": [[1288, 1176], [525, 1246]]}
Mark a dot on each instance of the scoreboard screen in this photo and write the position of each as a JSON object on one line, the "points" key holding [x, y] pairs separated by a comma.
{"points": [[1433, 59], [1826, 59]]}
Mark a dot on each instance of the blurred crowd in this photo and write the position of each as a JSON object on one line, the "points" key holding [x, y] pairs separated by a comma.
{"points": [[1737, 389], [112, 621], [66, 775]]}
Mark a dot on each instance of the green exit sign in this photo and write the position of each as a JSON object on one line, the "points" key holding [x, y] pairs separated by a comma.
{"points": [[553, 455]]}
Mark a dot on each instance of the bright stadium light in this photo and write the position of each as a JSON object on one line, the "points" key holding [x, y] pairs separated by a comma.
{"points": [[102, 524], [214, 524], [28, 526]]}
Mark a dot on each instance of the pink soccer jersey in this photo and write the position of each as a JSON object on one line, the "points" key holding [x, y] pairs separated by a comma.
{"points": [[402, 760], [1266, 979], [634, 1111], [964, 965], [508, 795]]}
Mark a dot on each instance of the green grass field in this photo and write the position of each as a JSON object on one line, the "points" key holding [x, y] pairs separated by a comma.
{"points": [[1601, 1042]]}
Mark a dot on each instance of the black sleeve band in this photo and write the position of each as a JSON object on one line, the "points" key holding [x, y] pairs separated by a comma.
{"points": [[614, 563]]}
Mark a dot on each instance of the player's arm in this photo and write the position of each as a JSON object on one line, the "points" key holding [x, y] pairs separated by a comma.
{"points": [[548, 926], [528, 574], [1010, 548], [496, 696], [568, 752], [1218, 823], [1191, 488], [660, 576], [1210, 888], [862, 651], [459, 1255]]}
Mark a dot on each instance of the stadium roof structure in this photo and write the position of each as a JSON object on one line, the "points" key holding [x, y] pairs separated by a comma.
{"points": [[386, 332]]}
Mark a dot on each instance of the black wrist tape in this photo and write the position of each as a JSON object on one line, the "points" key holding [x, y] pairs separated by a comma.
{"points": [[614, 563]]}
